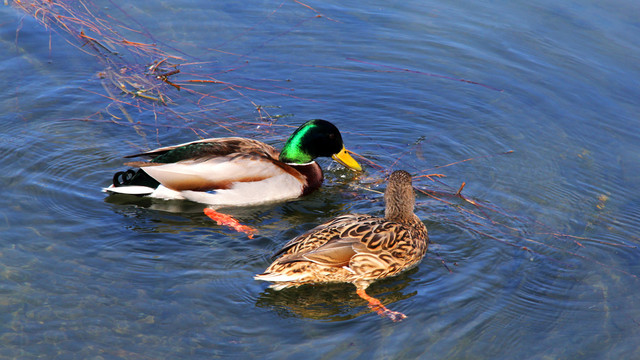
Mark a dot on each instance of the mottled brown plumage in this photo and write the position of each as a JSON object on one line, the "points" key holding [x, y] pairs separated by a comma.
{"points": [[356, 248]]}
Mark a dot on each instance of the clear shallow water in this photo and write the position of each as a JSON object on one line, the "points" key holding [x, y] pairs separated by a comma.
{"points": [[546, 266]]}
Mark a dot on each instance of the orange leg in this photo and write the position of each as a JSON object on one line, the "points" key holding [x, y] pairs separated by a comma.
{"points": [[376, 305], [228, 220]]}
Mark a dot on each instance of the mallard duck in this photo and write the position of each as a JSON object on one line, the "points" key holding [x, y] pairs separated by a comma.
{"points": [[236, 171], [356, 248]]}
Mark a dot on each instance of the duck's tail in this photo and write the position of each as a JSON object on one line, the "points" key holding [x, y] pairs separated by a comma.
{"points": [[280, 281], [132, 182]]}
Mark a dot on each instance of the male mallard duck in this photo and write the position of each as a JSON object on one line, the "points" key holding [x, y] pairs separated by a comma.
{"points": [[357, 248], [236, 171]]}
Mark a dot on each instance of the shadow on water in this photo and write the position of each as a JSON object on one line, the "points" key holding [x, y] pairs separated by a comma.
{"points": [[335, 302], [171, 206]]}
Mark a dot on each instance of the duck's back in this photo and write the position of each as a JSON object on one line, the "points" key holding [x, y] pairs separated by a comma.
{"points": [[349, 248], [209, 148]]}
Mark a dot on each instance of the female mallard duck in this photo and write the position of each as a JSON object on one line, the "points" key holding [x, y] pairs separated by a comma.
{"points": [[236, 171], [357, 248]]}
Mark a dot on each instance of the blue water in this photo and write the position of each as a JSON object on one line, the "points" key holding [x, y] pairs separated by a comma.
{"points": [[533, 105]]}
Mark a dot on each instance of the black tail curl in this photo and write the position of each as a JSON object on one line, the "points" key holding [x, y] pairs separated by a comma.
{"points": [[134, 177], [123, 177]]}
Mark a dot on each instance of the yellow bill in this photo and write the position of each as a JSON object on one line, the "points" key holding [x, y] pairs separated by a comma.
{"points": [[345, 159]]}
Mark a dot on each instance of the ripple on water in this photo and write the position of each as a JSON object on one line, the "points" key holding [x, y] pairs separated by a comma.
{"points": [[59, 174], [493, 287]]}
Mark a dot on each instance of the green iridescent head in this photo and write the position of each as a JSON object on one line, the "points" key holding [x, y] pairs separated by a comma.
{"points": [[313, 139]]}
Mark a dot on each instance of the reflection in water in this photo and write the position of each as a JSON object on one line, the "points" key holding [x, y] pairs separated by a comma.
{"points": [[172, 206], [334, 302]]}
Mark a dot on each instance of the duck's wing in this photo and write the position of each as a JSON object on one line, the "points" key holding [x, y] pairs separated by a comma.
{"points": [[211, 164], [320, 234], [334, 242], [218, 172], [335, 253], [370, 247], [208, 148]]}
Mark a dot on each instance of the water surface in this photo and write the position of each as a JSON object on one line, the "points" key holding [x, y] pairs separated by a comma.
{"points": [[534, 105]]}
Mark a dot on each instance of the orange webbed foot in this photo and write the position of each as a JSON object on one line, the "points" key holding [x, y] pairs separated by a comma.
{"points": [[377, 306], [228, 220]]}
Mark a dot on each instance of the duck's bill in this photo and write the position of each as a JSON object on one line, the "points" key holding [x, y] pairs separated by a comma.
{"points": [[345, 159]]}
